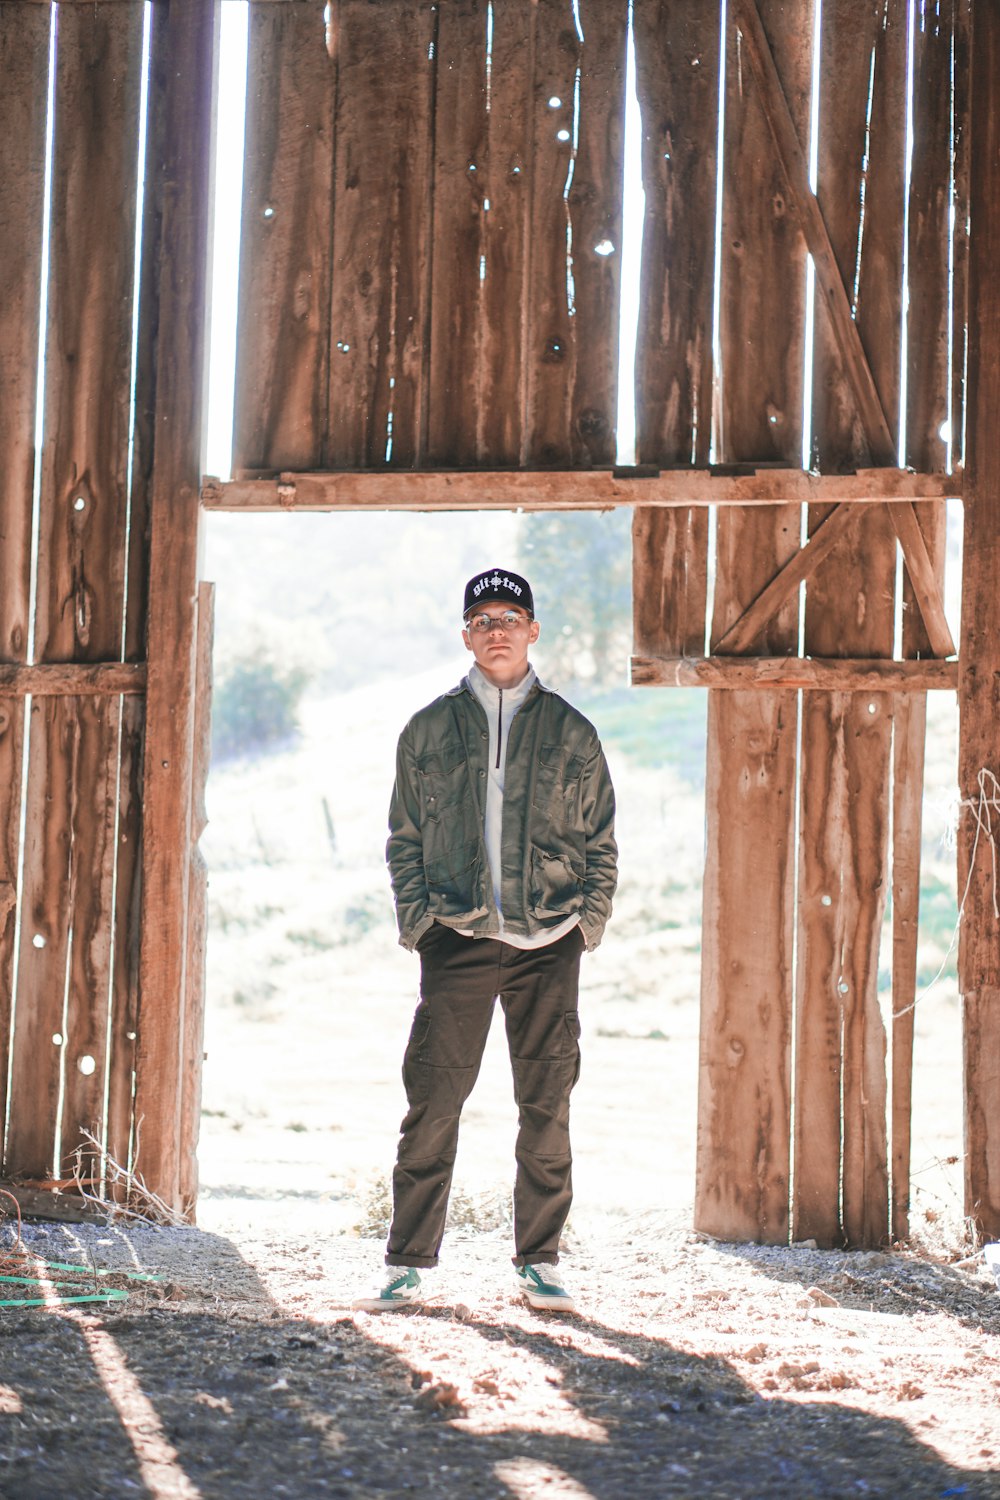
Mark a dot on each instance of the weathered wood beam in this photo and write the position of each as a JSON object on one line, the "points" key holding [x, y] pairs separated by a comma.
{"points": [[181, 77], [923, 579], [822, 542], [24, 42], [72, 679], [570, 489], [54, 1205], [197, 933], [979, 683], [830, 284], [829, 674]]}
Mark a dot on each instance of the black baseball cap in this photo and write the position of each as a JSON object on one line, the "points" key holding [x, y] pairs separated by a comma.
{"points": [[498, 585]]}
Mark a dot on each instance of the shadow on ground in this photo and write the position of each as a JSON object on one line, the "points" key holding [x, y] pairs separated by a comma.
{"points": [[859, 1279], [207, 1398]]}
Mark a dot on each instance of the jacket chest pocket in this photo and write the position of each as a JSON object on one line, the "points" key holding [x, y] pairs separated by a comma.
{"points": [[443, 780], [557, 783]]}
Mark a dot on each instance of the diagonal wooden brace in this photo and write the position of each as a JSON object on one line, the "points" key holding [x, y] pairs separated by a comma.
{"points": [[830, 285], [742, 634]]}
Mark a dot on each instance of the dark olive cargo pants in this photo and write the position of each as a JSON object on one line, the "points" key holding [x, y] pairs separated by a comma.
{"points": [[460, 978]]}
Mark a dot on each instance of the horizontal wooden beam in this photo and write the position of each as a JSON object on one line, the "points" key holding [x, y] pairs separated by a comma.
{"points": [[829, 674], [573, 489], [62, 1207], [72, 679]]}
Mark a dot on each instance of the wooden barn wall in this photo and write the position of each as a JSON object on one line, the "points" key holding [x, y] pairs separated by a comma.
{"points": [[828, 756], [69, 990], [76, 636], [429, 278], [460, 304]]}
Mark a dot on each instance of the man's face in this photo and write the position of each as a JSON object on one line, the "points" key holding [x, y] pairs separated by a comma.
{"points": [[501, 653]]}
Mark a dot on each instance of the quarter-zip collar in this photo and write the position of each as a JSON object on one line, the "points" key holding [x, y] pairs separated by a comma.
{"points": [[500, 705]]}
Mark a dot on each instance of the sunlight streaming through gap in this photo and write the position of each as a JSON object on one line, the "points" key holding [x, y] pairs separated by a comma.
{"points": [[570, 173], [904, 342], [949, 425], [633, 216], [136, 287], [809, 336], [231, 117]]}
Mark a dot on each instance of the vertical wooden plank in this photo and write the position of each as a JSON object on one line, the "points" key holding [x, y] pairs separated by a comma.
{"points": [[92, 913], [81, 564], [45, 906], [502, 353], [382, 230], [181, 92], [744, 1084], [576, 211], [677, 80], [482, 114], [284, 311], [550, 347], [841, 1186], [125, 958], [909, 735], [928, 409], [24, 52], [81, 553], [462, 205], [194, 1006], [979, 704]]}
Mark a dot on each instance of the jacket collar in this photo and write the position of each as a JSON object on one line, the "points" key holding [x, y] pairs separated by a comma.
{"points": [[465, 686]]}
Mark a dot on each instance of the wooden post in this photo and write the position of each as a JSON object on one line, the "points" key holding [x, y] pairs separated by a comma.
{"points": [[194, 1004], [979, 682], [742, 1188], [181, 96], [24, 43]]}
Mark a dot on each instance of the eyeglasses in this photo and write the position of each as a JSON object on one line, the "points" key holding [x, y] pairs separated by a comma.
{"points": [[509, 620]]}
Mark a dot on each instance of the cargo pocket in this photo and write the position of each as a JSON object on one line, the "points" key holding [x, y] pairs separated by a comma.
{"points": [[416, 1069], [572, 1024]]}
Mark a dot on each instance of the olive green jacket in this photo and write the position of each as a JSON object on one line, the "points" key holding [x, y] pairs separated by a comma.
{"points": [[558, 846]]}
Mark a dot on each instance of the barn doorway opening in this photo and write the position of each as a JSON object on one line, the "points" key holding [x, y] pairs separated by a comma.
{"points": [[345, 625]]}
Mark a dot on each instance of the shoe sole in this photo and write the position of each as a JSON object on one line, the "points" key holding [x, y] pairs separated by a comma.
{"points": [[375, 1305], [542, 1303]]}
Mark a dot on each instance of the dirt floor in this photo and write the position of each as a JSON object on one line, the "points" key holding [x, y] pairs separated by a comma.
{"points": [[694, 1368]]}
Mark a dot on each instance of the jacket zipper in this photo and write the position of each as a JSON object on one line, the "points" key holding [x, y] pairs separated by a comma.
{"points": [[499, 725]]}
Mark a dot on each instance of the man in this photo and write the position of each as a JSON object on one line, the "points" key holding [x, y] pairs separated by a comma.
{"points": [[503, 864]]}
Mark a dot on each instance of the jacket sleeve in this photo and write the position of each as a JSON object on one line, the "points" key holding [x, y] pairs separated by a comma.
{"points": [[404, 851], [601, 877]]}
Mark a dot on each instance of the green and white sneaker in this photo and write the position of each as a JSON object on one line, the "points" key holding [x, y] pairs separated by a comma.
{"points": [[401, 1288], [542, 1286]]}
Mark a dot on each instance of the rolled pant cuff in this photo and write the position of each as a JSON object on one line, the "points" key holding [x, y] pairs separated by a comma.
{"points": [[544, 1258], [414, 1262]]}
